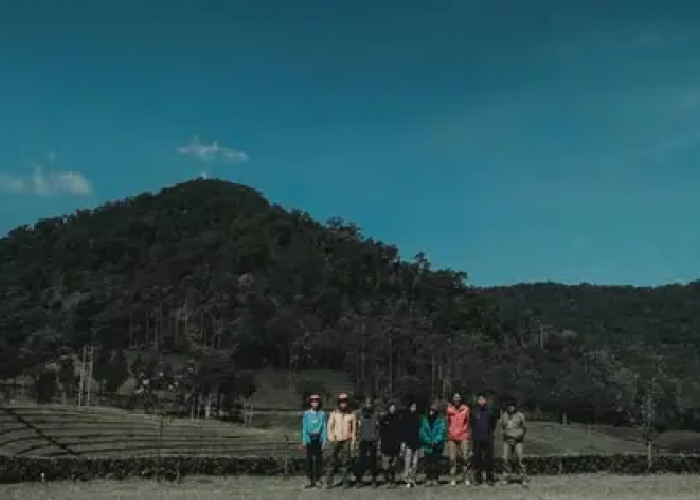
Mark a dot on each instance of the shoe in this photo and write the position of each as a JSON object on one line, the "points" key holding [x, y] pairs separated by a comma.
{"points": [[467, 482], [453, 483]]}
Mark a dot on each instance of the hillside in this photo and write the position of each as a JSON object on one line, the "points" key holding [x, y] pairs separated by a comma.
{"points": [[212, 273]]}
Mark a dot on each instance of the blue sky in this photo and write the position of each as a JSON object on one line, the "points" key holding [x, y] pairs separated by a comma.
{"points": [[518, 141]]}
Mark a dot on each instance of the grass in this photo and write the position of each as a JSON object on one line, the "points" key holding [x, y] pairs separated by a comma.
{"points": [[579, 487], [109, 432]]}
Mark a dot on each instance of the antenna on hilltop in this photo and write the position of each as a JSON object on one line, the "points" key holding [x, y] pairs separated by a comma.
{"points": [[203, 174]]}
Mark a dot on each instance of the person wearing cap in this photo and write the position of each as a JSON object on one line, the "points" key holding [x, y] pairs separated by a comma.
{"points": [[458, 449], [341, 436], [368, 437], [514, 431], [410, 442], [390, 442], [313, 432], [433, 433], [483, 426]]}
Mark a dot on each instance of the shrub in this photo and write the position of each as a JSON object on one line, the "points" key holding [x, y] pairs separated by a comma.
{"points": [[18, 468]]}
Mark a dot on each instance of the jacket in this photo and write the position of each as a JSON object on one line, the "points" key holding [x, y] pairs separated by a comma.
{"points": [[513, 426], [410, 429], [390, 433], [458, 420], [313, 423], [483, 423], [368, 426], [433, 435], [342, 426]]}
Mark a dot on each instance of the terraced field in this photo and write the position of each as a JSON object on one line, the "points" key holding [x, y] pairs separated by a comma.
{"points": [[70, 431], [55, 430]]}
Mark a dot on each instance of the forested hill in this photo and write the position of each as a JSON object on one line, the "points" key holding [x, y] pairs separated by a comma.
{"points": [[663, 317], [212, 270]]}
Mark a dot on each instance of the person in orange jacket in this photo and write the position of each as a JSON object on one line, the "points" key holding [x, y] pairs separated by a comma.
{"points": [[458, 443]]}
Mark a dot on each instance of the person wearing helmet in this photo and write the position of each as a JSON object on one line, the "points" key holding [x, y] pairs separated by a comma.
{"points": [[433, 433], [313, 432], [514, 430], [342, 436]]}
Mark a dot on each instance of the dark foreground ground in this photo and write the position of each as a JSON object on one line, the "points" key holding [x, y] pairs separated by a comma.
{"points": [[577, 487]]}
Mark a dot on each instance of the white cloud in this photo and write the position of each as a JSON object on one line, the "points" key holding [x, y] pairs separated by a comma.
{"points": [[213, 151], [46, 182]]}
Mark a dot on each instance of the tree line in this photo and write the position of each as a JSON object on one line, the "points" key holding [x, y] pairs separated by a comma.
{"points": [[214, 271]]}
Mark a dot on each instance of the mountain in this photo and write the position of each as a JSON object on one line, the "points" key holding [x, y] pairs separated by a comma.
{"points": [[214, 272]]}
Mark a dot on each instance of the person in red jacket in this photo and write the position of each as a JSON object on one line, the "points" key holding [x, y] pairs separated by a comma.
{"points": [[458, 448]]}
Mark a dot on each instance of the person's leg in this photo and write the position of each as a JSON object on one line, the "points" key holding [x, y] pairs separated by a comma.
{"points": [[373, 462], [310, 463], [318, 463], [414, 465], [333, 463], [361, 465], [428, 466], [507, 456], [452, 453], [346, 460], [488, 461], [407, 465], [519, 461], [466, 459], [478, 461]]}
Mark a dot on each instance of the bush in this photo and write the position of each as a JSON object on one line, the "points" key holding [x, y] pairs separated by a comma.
{"points": [[15, 469]]}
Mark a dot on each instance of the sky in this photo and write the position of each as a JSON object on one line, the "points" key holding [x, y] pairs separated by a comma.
{"points": [[515, 140]]}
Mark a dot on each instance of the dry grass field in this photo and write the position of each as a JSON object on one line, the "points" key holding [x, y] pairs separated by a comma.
{"points": [[579, 487]]}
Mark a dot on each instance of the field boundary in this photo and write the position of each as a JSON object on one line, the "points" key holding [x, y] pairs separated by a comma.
{"points": [[14, 469]]}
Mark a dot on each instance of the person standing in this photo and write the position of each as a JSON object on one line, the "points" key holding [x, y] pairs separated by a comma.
{"points": [[342, 436], [514, 431], [410, 443], [483, 425], [368, 432], [433, 433], [313, 432], [390, 442], [458, 449]]}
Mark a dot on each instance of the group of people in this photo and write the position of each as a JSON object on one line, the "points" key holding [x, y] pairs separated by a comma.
{"points": [[365, 441]]}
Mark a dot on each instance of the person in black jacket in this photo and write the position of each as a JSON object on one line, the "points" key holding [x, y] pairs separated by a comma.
{"points": [[483, 426], [390, 442], [410, 443]]}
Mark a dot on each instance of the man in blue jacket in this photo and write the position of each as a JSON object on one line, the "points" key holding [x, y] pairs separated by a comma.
{"points": [[313, 432], [483, 424]]}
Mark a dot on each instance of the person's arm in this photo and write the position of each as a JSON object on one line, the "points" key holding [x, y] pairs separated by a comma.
{"points": [[524, 425], [304, 430], [422, 433], [331, 425], [442, 432], [354, 429], [324, 419]]}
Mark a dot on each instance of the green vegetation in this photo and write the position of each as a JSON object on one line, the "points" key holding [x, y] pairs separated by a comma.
{"points": [[211, 274]]}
